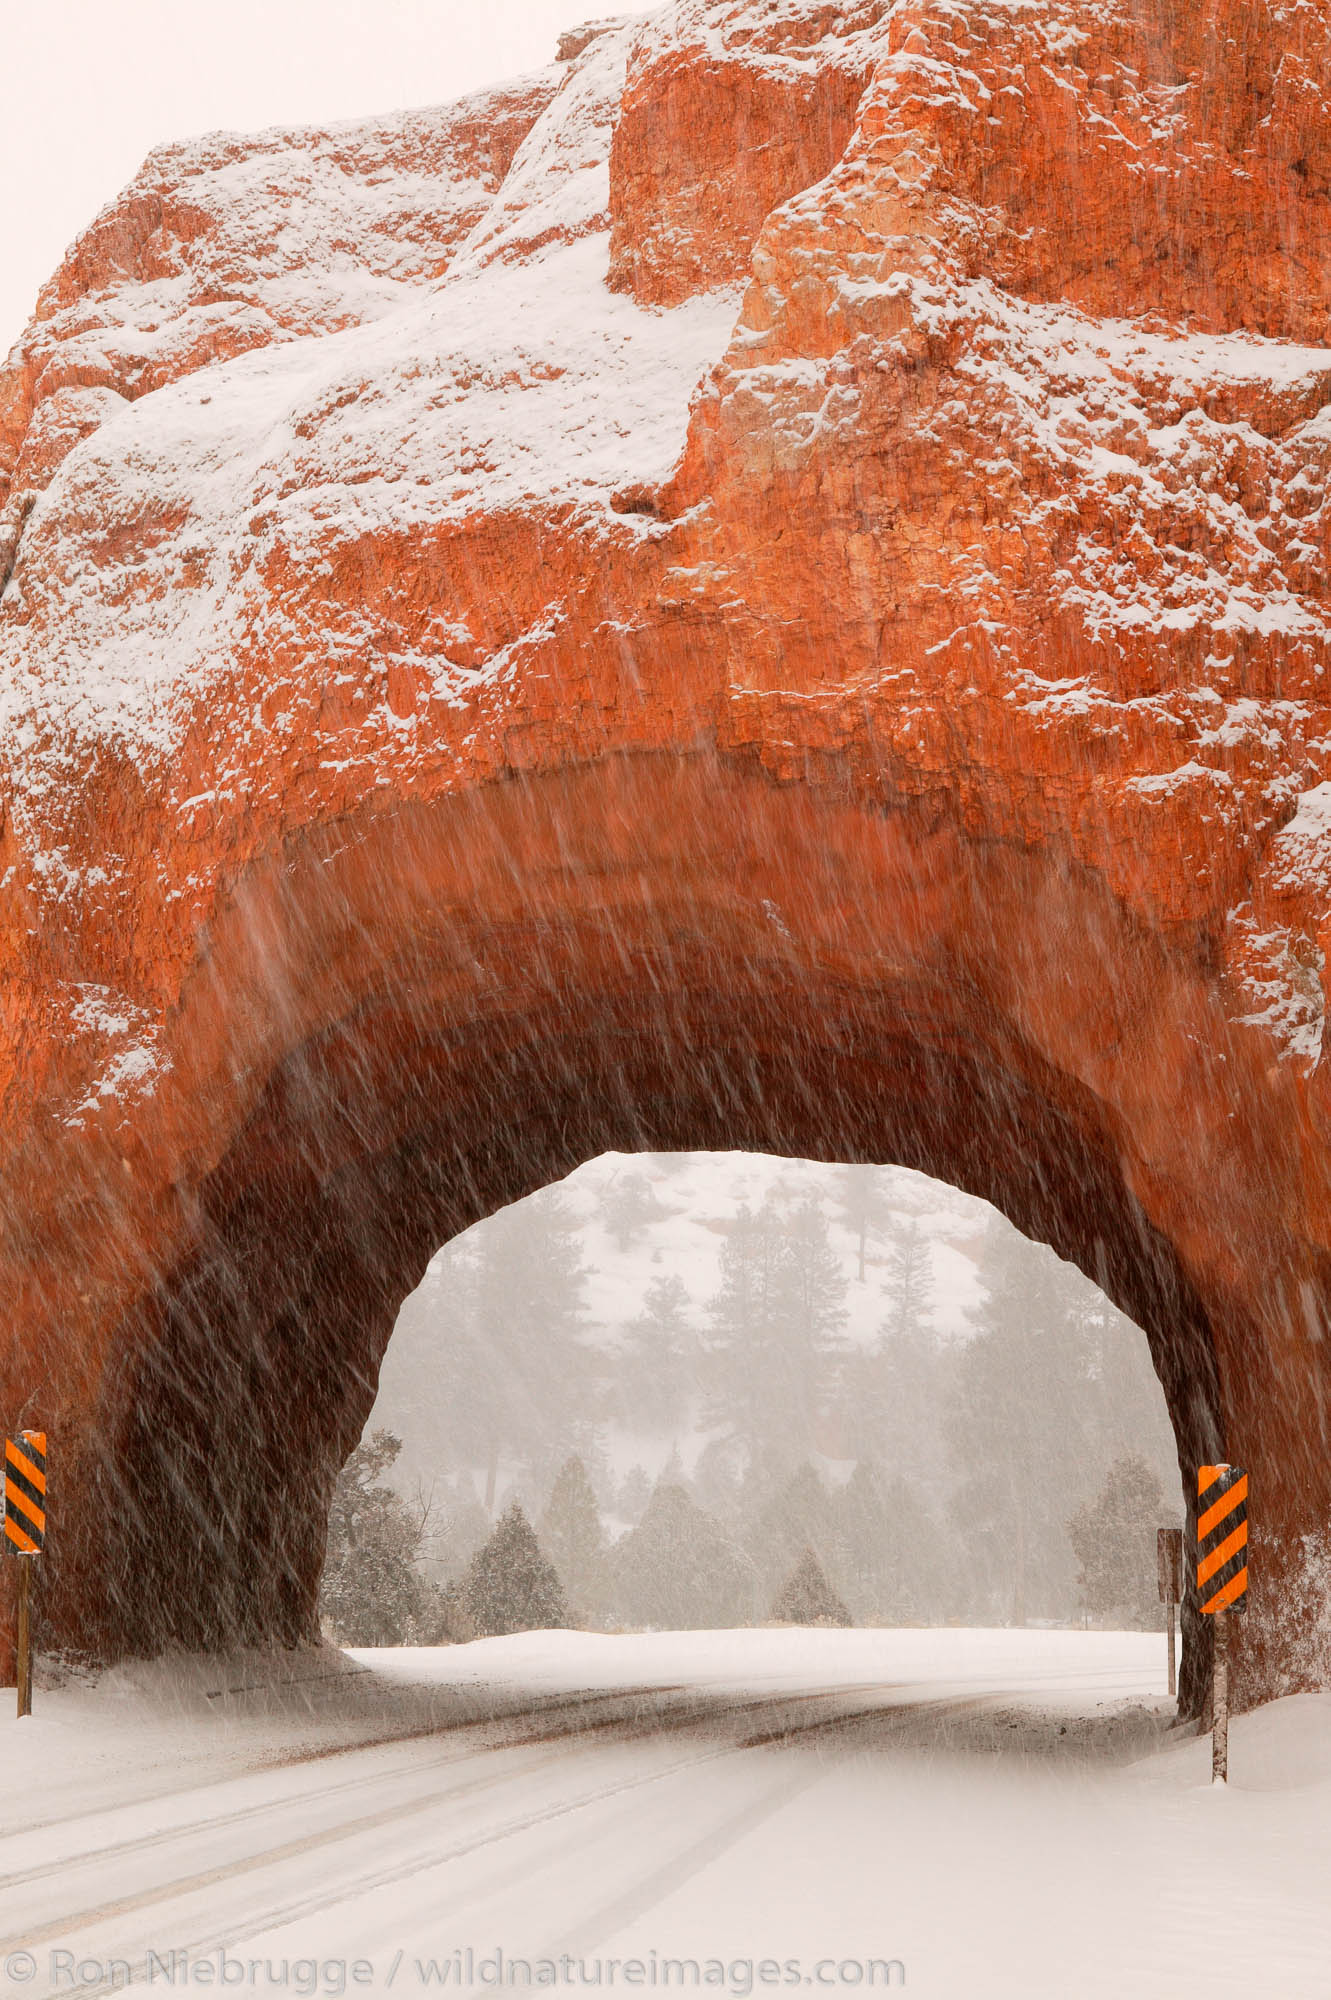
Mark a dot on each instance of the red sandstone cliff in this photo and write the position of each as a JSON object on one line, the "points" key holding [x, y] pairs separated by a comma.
{"points": [[867, 465]]}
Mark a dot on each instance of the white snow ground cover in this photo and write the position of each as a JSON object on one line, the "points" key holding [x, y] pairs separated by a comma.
{"points": [[977, 1812]]}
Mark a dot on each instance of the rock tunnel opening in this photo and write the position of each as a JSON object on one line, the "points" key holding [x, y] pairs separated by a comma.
{"points": [[267, 1354], [641, 962], [691, 1370]]}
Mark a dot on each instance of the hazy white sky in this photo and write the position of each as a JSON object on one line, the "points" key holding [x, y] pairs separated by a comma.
{"points": [[91, 85]]}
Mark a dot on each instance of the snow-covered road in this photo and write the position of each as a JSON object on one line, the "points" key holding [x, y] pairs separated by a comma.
{"points": [[958, 1813]]}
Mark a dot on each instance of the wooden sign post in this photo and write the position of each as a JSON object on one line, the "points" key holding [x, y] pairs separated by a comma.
{"points": [[25, 1537], [1169, 1580], [1222, 1583]]}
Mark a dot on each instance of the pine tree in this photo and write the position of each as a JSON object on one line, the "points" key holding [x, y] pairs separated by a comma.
{"points": [[862, 1524], [1022, 1427], [740, 1309], [768, 1470], [672, 1473], [629, 1206], [572, 1537], [807, 1598], [1113, 1537], [864, 1207], [371, 1592], [811, 1286], [898, 1569], [501, 1319], [737, 1312], [920, 1583], [799, 1516], [777, 1317], [890, 1394], [678, 1570], [657, 1359], [1130, 1412], [912, 1289], [634, 1492], [509, 1586], [717, 1476]]}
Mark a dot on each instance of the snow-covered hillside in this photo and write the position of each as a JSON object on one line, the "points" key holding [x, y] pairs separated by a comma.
{"points": [[642, 1218], [695, 1198], [699, 1195]]}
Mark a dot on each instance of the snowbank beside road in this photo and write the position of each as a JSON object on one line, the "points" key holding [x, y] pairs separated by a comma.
{"points": [[1078, 1665]]}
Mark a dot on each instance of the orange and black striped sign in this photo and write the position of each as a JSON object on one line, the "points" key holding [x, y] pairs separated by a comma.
{"points": [[25, 1492], [1222, 1535]]}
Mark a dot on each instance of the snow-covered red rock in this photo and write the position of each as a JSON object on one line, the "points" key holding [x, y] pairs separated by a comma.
{"points": [[765, 586]]}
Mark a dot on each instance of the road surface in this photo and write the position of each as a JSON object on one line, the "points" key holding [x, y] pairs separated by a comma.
{"points": [[731, 1831]]}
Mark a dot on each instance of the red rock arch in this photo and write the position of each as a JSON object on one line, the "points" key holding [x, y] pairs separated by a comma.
{"points": [[460, 1003], [475, 690]]}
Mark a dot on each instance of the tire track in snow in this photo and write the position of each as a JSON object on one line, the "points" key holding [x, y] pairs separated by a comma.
{"points": [[690, 1711], [897, 1715], [668, 1877], [575, 1706], [362, 1885], [636, 1726]]}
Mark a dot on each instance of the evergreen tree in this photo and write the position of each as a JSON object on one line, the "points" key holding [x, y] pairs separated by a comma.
{"points": [[672, 1473], [371, 1592], [777, 1316], [912, 1287], [634, 1492], [864, 1206], [572, 1537], [509, 1586], [891, 1393], [1022, 1424], [1113, 1538], [807, 1598], [897, 1399], [862, 1525], [657, 1359], [898, 1569], [811, 1286], [678, 1570], [740, 1309], [984, 1448], [502, 1317], [629, 1206], [717, 1477], [799, 1516]]}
